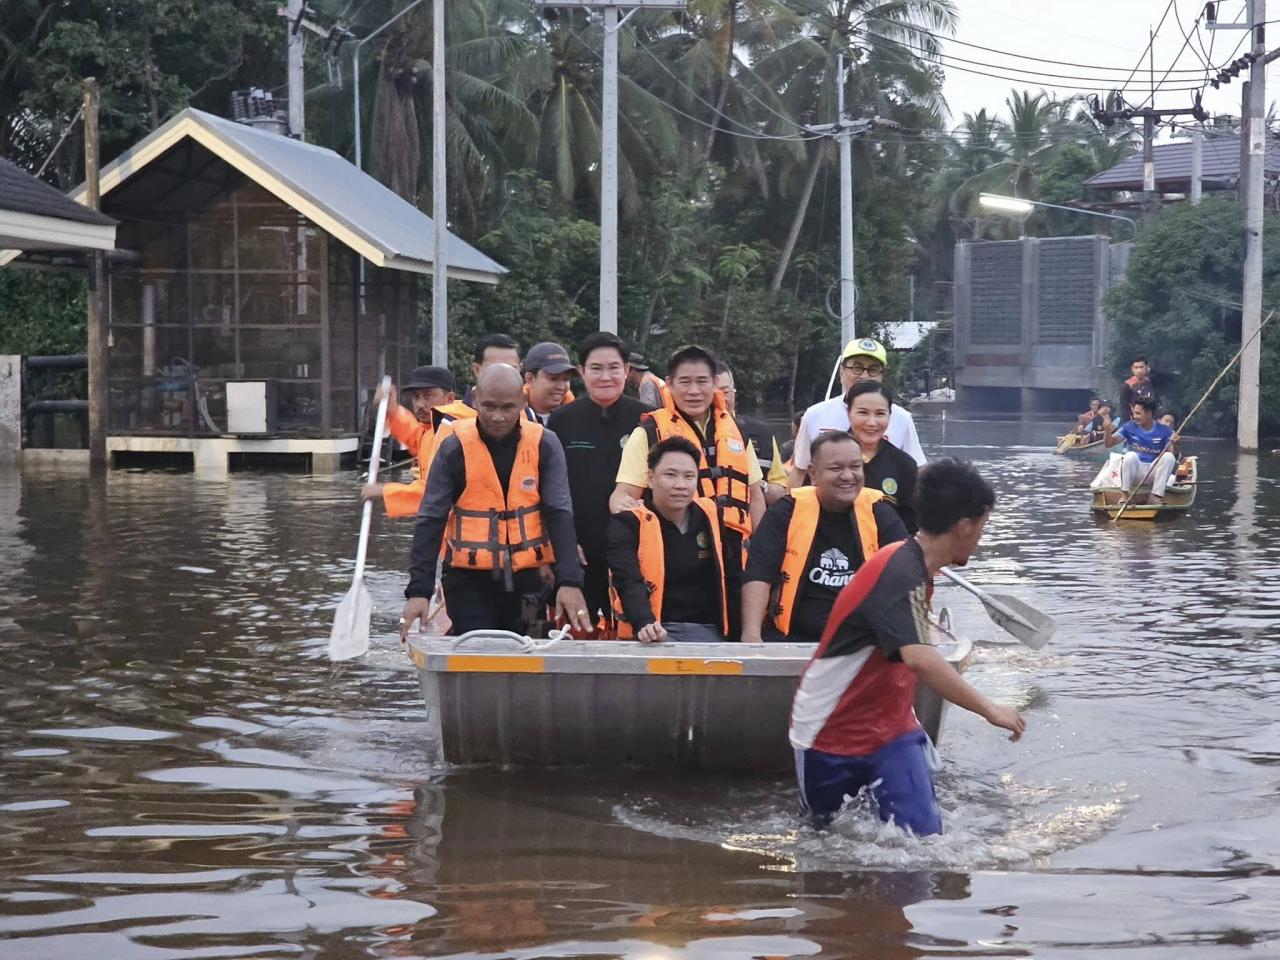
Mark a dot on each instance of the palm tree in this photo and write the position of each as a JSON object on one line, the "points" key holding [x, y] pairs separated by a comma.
{"points": [[887, 43]]}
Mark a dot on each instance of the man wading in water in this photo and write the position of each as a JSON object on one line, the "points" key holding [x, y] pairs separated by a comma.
{"points": [[853, 724]]}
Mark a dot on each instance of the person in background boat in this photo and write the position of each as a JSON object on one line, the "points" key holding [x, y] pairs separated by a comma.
{"points": [[547, 371], [763, 443], [885, 467], [853, 723], [695, 410], [810, 544], [428, 389], [1170, 420], [649, 386], [1085, 419], [862, 360], [1148, 460], [498, 498], [1137, 387], [491, 349], [592, 431], [674, 576]]}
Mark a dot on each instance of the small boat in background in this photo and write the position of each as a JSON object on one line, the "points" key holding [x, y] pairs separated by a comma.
{"points": [[497, 697], [1179, 495], [1077, 443]]}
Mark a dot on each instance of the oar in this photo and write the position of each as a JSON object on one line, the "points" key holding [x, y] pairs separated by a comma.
{"points": [[1010, 614], [350, 634]]}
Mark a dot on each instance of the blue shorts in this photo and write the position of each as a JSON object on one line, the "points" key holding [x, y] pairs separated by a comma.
{"points": [[898, 775]]}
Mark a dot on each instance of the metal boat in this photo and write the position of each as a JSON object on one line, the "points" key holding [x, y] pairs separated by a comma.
{"points": [[496, 697]]}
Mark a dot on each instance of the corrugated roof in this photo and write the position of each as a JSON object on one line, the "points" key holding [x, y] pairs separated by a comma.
{"points": [[37, 216], [23, 193], [322, 186], [1220, 167]]}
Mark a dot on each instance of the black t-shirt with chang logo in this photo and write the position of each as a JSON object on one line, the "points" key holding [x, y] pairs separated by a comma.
{"points": [[833, 559]]}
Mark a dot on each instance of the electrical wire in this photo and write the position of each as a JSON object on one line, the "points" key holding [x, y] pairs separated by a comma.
{"points": [[748, 135]]}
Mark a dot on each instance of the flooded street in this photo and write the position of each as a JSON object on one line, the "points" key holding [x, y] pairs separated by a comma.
{"points": [[183, 773]]}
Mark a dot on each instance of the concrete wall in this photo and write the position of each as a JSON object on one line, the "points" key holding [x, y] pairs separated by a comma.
{"points": [[1028, 318], [10, 408]]}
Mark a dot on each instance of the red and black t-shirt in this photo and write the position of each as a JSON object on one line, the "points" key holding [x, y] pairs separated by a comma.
{"points": [[856, 694]]}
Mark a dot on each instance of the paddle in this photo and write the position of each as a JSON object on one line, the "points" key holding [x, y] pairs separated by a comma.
{"points": [[350, 634], [1010, 614]]}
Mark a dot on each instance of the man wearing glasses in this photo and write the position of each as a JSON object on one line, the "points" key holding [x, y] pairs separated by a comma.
{"points": [[861, 360]]}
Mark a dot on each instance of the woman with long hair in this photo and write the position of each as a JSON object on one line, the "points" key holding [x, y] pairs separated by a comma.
{"points": [[886, 468]]}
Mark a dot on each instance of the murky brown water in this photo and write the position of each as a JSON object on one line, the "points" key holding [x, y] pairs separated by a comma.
{"points": [[182, 774]]}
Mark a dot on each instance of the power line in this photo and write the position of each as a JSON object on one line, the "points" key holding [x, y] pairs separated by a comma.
{"points": [[1007, 53], [1148, 49]]}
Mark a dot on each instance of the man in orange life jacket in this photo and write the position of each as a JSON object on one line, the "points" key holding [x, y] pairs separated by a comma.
{"points": [[429, 394], [498, 497], [674, 577], [728, 470], [649, 386], [809, 545]]}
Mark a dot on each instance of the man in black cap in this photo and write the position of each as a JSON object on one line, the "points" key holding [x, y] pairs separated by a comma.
{"points": [[593, 430], [427, 389], [547, 371], [647, 383]]}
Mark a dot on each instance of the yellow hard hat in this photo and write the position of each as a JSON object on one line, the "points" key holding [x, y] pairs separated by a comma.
{"points": [[865, 347]]}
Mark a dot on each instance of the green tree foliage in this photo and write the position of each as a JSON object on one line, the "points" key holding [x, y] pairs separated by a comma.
{"points": [[41, 313], [1177, 307]]}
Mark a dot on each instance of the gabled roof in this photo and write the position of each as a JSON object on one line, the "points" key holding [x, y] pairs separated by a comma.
{"points": [[1219, 167], [343, 201], [37, 216]]}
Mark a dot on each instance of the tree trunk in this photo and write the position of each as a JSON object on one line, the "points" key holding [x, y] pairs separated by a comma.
{"points": [[726, 60], [797, 222], [724, 321], [642, 337], [791, 385]]}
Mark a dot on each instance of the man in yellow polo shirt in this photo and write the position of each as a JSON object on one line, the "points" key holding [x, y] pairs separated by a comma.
{"points": [[729, 471]]}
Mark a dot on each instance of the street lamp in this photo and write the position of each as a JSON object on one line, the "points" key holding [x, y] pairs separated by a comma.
{"points": [[1017, 205]]}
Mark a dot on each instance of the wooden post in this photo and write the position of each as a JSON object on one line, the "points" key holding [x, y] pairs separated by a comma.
{"points": [[96, 322]]}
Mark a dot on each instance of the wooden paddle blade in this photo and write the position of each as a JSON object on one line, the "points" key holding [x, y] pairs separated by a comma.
{"points": [[1031, 626], [349, 637]]}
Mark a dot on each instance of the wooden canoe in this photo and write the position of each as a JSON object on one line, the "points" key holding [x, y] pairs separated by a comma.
{"points": [[1070, 443], [1179, 495]]}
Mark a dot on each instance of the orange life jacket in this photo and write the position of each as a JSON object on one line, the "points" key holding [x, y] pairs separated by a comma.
{"points": [[421, 440], [800, 533], [653, 565], [531, 414], [487, 531], [725, 479], [650, 377]]}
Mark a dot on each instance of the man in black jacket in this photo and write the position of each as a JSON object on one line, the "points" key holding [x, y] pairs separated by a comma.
{"points": [[593, 430]]}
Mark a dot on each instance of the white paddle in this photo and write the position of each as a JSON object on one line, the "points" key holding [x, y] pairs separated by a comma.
{"points": [[1020, 620], [349, 637]]}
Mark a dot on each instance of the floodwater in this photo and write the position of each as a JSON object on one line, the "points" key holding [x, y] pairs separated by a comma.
{"points": [[183, 774]]}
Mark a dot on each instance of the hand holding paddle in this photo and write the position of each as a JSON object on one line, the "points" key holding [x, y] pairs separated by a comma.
{"points": [[1010, 614], [350, 634]]}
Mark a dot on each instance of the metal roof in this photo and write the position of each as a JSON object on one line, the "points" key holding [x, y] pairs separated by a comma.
{"points": [[1220, 167], [345, 202], [37, 216]]}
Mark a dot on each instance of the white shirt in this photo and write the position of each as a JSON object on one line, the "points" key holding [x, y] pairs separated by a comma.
{"points": [[834, 415]]}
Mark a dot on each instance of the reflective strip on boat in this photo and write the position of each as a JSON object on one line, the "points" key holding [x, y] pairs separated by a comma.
{"points": [[494, 664], [685, 666]]}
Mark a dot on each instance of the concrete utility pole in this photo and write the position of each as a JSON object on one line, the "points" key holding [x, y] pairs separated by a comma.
{"points": [[297, 82], [1149, 199], [1251, 317], [1197, 164], [95, 319], [609, 176], [848, 290], [609, 137], [439, 197]]}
